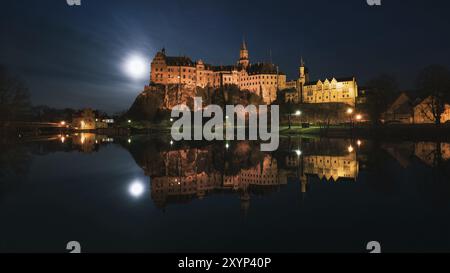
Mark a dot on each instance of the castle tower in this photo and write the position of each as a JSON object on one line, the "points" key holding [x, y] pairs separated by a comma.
{"points": [[303, 73], [243, 55], [302, 79]]}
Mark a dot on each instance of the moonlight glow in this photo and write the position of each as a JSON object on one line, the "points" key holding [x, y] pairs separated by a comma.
{"points": [[136, 189], [136, 67]]}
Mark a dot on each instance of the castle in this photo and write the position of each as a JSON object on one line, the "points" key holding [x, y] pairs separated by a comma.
{"points": [[263, 79]]}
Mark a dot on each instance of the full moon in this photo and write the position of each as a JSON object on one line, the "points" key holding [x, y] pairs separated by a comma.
{"points": [[136, 67], [136, 189]]}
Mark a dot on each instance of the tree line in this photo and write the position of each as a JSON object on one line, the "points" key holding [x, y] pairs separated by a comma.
{"points": [[432, 82]]}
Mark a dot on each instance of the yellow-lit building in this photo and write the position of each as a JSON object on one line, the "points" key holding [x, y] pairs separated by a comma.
{"points": [[423, 112], [263, 79], [335, 90]]}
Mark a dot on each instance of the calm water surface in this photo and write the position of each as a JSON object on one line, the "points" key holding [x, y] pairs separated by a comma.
{"points": [[145, 194]]}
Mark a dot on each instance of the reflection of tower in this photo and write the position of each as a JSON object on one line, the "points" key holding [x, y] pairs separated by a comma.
{"points": [[243, 56], [303, 183], [245, 201]]}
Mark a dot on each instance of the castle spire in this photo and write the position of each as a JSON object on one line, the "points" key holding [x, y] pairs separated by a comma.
{"points": [[302, 63], [243, 55], [244, 44]]}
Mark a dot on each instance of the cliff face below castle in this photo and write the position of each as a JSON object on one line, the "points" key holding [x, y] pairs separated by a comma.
{"points": [[158, 99]]}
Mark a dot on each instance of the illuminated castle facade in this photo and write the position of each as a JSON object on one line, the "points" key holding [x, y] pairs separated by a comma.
{"points": [[263, 79], [334, 90]]}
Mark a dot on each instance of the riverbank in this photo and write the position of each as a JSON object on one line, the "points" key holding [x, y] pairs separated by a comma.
{"points": [[398, 131], [425, 131], [401, 132]]}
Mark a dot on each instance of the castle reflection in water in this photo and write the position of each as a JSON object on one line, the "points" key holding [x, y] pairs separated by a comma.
{"points": [[181, 172]]}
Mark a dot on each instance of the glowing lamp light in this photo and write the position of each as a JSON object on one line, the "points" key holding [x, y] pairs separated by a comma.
{"points": [[359, 143], [298, 113], [63, 123], [350, 149], [298, 152], [227, 145], [136, 189], [358, 117], [129, 140], [350, 111]]}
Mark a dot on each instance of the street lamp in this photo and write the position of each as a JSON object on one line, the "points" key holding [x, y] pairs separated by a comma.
{"points": [[350, 149], [297, 114], [350, 111], [358, 117]]}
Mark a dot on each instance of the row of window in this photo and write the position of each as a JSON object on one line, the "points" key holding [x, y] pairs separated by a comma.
{"points": [[226, 80], [334, 84], [345, 89], [258, 83], [326, 98], [257, 77]]}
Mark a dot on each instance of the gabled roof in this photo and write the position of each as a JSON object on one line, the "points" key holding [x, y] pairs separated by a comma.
{"points": [[343, 79], [402, 103]]}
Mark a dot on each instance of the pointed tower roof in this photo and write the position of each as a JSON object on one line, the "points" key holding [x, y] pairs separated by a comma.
{"points": [[244, 44], [302, 63]]}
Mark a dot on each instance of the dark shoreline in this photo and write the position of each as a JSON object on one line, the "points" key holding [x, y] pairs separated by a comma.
{"points": [[394, 132], [429, 132]]}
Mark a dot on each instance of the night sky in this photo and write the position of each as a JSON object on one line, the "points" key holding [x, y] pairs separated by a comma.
{"points": [[73, 56]]}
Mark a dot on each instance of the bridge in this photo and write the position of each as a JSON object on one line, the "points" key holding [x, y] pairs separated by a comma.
{"points": [[31, 125]]}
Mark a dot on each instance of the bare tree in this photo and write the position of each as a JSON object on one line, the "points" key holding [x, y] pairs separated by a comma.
{"points": [[14, 98], [384, 88], [433, 83]]}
